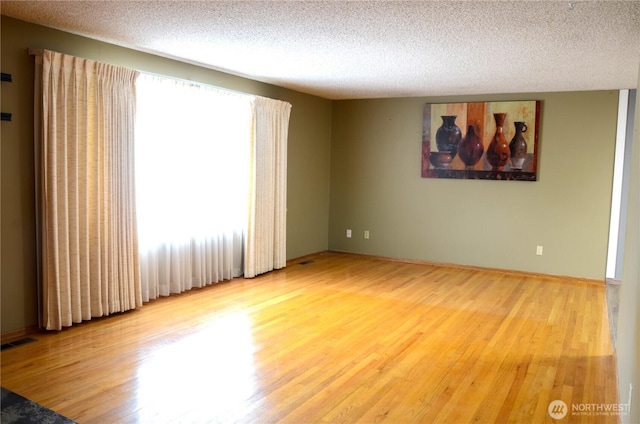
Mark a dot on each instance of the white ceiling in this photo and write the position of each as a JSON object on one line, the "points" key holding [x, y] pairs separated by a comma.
{"points": [[372, 49]]}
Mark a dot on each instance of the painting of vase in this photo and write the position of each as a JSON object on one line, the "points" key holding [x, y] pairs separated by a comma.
{"points": [[479, 124]]}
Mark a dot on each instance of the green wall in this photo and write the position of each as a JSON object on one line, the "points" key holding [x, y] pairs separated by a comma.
{"points": [[376, 186], [308, 154]]}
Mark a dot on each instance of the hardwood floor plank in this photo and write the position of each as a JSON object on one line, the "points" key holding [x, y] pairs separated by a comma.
{"points": [[343, 338]]}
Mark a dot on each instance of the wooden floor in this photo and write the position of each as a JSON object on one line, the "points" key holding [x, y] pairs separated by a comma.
{"points": [[342, 339]]}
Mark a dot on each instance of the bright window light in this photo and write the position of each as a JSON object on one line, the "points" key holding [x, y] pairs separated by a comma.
{"points": [[192, 158]]}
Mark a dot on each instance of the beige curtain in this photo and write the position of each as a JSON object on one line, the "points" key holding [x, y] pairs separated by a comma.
{"points": [[85, 170], [265, 242]]}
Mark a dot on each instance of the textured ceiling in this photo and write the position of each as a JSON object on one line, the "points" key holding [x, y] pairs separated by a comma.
{"points": [[372, 49]]}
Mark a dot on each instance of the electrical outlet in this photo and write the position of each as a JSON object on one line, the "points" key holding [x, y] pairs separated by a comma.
{"points": [[539, 250], [348, 233], [366, 234]]}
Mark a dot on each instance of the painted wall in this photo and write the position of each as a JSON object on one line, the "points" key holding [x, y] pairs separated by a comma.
{"points": [[628, 334], [376, 186], [308, 154]]}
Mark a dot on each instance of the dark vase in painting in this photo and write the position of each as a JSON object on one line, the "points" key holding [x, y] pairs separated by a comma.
{"points": [[518, 147], [470, 148], [448, 135]]}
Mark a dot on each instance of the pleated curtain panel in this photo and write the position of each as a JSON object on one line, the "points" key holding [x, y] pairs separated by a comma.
{"points": [[95, 256], [265, 247], [88, 241]]}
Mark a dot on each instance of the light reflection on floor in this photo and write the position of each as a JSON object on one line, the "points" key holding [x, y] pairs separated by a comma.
{"points": [[210, 374]]}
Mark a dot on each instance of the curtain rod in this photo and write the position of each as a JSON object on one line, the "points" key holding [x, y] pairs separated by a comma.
{"points": [[40, 52]]}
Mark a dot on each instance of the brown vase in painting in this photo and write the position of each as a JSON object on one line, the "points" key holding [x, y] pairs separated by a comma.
{"points": [[498, 152], [518, 147], [470, 148]]}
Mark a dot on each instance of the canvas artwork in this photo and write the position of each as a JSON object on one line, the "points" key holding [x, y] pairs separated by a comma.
{"points": [[487, 140]]}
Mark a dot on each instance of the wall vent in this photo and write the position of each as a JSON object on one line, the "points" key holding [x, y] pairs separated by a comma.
{"points": [[17, 343]]}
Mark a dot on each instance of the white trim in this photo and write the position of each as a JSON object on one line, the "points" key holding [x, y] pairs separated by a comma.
{"points": [[616, 194]]}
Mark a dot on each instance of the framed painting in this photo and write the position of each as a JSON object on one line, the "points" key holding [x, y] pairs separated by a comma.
{"points": [[488, 140]]}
